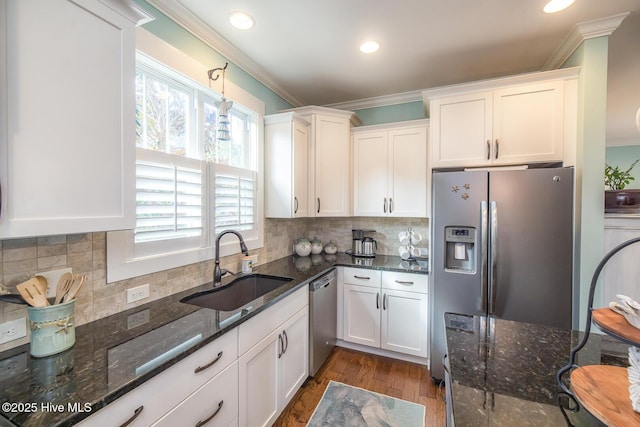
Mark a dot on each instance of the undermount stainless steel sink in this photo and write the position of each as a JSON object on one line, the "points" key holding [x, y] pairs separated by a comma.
{"points": [[237, 293]]}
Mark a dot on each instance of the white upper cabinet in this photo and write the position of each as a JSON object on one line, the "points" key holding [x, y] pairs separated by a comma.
{"points": [[329, 160], [286, 165], [390, 170], [67, 139], [521, 119]]}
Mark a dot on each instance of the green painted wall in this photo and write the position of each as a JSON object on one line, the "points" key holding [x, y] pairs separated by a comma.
{"points": [[592, 56], [391, 113], [174, 34], [624, 157]]}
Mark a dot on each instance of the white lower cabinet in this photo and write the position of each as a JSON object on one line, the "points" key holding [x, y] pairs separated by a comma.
{"points": [[362, 315], [272, 370], [215, 404], [146, 404], [386, 310]]}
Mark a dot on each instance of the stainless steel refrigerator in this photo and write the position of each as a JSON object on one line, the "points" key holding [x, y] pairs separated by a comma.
{"points": [[502, 246]]}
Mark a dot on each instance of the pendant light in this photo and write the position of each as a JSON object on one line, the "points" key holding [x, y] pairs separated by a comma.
{"points": [[223, 132]]}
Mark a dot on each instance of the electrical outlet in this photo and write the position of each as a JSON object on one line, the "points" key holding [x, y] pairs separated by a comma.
{"points": [[52, 279], [13, 330], [138, 293]]}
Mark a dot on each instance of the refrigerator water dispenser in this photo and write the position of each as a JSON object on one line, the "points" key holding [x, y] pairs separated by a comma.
{"points": [[460, 256]]}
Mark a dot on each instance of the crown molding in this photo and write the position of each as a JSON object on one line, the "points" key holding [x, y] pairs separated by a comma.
{"points": [[581, 32], [378, 101], [190, 22]]}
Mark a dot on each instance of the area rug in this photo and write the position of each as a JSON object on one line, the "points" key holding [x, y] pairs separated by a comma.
{"points": [[344, 405]]}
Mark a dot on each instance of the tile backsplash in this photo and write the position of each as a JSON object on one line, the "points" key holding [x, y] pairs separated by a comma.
{"points": [[85, 253]]}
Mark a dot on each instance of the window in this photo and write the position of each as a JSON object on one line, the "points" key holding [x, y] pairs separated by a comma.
{"points": [[189, 185]]}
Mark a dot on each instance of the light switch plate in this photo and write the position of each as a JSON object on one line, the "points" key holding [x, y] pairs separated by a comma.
{"points": [[52, 279]]}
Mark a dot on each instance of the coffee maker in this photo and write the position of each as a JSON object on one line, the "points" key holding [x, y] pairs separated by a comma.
{"points": [[363, 246]]}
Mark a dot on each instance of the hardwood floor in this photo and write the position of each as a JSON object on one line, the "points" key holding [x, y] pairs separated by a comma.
{"points": [[404, 380]]}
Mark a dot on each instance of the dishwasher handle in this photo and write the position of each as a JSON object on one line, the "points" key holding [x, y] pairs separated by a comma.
{"points": [[323, 282]]}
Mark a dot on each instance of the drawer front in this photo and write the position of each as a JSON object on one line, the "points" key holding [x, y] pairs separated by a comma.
{"points": [[170, 387], [213, 405], [362, 277], [255, 329], [405, 281]]}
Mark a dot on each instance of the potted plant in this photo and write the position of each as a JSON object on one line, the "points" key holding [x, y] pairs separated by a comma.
{"points": [[617, 199]]}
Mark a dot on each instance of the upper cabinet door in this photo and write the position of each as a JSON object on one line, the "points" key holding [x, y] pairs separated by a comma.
{"points": [[332, 161], [461, 130], [67, 145], [370, 174], [408, 180], [528, 123]]}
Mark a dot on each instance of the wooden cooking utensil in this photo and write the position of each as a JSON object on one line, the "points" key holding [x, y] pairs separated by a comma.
{"points": [[77, 283], [43, 284], [31, 292], [63, 286]]}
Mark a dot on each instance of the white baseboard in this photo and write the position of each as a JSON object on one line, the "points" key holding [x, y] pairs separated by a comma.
{"points": [[381, 352]]}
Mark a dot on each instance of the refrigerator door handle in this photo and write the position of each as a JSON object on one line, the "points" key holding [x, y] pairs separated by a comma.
{"points": [[493, 241], [484, 225]]}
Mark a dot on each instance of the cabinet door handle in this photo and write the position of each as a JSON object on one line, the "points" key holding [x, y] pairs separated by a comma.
{"points": [[402, 282], [384, 302], [497, 148], [208, 365], [203, 422], [384, 205], [377, 300], [318, 204], [390, 205], [362, 277], [488, 149], [295, 205], [135, 415], [280, 346], [286, 341]]}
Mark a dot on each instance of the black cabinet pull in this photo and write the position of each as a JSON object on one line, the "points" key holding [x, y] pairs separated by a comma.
{"points": [[377, 300], [390, 205], [384, 205], [208, 365], [362, 277], [295, 205], [488, 150], [281, 346], [403, 282], [384, 302], [497, 147], [203, 422], [136, 413], [318, 204], [286, 342]]}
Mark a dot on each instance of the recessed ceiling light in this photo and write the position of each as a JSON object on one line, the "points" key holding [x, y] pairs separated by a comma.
{"points": [[369, 47], [557, 5], [241, 20]]}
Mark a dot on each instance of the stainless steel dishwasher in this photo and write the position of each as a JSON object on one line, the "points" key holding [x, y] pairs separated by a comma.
{"points": [[322, 320]]}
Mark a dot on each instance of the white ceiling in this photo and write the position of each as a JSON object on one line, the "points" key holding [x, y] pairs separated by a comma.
{"points": [[307, 51]]}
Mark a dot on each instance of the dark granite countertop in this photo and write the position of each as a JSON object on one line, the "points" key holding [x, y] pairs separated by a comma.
{"points": [[101, 366], [503, 373]]}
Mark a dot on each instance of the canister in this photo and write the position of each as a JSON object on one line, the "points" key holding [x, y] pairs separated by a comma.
{"points": [[52, 328]]}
